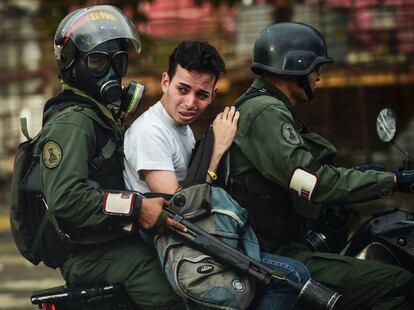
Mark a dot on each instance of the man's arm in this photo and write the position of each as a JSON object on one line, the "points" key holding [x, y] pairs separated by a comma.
{"points": [[279, 153], [151, 152], [161, 181], [224, 127]]}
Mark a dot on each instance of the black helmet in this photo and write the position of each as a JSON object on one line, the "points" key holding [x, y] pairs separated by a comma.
{"points": [[289, 48]]}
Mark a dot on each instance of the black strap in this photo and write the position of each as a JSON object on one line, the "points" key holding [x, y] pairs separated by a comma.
{"points": [[106, 153], [39, 233], [251, 93], [157, 195], [197, 171], [254, 92], [304, 83]]}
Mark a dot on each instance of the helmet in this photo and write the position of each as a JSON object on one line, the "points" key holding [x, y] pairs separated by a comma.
{"points": [[90, 47], [86, 28], [289, 48]]}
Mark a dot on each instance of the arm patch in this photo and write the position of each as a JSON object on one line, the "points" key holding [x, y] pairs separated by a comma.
{"points": [[120, 204], [303, 183]]}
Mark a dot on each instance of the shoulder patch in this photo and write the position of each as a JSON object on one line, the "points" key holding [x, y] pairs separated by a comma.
{"points": [[290, 134], [51, 154]]}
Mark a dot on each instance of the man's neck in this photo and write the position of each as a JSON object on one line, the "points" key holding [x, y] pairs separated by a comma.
{"points": [[284, 84]]}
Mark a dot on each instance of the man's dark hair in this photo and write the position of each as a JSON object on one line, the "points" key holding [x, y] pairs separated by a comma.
{"points": [[197, 56]]}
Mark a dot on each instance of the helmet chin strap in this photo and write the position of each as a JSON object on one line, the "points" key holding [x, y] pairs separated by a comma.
{"points": [[304, 83]]}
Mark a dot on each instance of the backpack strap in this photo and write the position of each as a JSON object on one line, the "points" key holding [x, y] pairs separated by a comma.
{"points": [[197, 171], [251, 93], [23, 126], [39, 233], [106, 153]]}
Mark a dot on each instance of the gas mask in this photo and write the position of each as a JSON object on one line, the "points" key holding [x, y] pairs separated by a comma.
{"points": [[99, 73]]}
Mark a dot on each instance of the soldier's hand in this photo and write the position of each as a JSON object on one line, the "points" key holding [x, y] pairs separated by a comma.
{"points": [[154, 218], [404, 181]]}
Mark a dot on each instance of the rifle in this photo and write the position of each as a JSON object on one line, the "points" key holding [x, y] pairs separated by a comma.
{"points": [[311, 293]]}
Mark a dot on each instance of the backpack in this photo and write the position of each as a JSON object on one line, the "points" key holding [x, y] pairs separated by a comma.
{"points": [[36, 234], [196, 276]]}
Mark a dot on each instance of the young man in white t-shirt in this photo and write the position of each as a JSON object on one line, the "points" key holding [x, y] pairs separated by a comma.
{"points": [[159, 143]]}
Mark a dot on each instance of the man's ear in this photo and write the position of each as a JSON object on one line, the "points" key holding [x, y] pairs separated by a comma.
{"points": [[165, 81]]}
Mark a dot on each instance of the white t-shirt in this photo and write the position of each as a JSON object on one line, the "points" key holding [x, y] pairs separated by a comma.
{"points": [[155, 141]]}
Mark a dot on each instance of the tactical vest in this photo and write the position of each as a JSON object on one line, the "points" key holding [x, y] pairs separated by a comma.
{"points": [[105, 168], [273, 213]]}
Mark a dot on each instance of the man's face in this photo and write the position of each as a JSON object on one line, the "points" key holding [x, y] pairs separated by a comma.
{"points": [[314, 76], [99, 72], [187, 94], [298, 93]]}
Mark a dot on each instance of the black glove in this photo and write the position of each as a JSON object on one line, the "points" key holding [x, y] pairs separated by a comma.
{"points": [[369, 167], [405, 181]]}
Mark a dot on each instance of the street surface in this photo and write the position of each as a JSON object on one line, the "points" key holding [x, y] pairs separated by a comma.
{"points": [[18, 277]]}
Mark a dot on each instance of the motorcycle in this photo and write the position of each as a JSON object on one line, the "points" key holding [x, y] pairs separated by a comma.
{"points": [[387, 236]]}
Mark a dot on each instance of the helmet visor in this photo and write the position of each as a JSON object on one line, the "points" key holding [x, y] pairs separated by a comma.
{"points": [[89, 27]]}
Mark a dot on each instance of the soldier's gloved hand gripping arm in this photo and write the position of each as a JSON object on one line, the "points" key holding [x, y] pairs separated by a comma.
{"points": [[286, 157]]}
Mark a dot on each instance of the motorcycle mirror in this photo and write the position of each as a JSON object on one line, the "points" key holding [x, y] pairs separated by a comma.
{"points": [[386, 125], [386, 130]]}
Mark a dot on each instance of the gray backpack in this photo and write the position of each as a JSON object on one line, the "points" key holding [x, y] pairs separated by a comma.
{"points": [[196, 276]]}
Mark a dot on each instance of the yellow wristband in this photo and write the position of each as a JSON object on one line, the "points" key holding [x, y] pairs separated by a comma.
{"points": [[212, 175]]}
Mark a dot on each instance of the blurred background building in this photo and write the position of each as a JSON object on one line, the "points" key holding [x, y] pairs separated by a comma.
{"points": [[372, 42]]}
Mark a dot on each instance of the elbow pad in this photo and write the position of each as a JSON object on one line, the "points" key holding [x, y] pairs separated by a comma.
{"points": [[303, 183], [119, 204], [122, 204]]}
